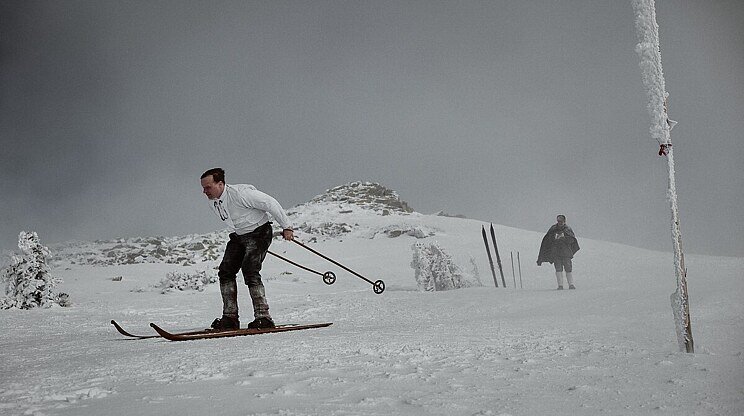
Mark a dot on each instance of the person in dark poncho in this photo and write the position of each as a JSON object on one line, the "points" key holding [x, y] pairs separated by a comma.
{"points": [[558, 247]]}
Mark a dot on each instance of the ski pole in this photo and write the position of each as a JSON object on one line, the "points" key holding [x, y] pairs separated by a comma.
{"points": [[514, 276], [378, 286], [519, 263], [329, 278]]}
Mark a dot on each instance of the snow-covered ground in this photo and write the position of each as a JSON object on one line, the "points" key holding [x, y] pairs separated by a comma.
{"points": [[608, 347]]}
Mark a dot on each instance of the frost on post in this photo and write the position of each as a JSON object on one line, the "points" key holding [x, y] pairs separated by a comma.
{"points": [[651, 70], [29, 283], [435, 270], [653, 80]]}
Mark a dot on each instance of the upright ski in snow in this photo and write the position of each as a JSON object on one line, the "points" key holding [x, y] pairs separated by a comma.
{"points": [[490, 259], [498, 257]]}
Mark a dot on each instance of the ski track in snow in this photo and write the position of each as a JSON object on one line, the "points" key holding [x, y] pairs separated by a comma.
{"points": [[607, 348]]}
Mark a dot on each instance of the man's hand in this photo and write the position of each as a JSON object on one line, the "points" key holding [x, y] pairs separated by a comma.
{"points": [[288, 234]]}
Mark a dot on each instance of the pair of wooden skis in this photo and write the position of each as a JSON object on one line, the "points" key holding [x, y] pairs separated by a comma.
{"points": [[213, 333], [490, 259]]}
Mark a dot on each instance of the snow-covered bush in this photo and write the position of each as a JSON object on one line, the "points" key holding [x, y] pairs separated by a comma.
{"points": [[435, 270], [325, 228], [474, 272], [397, 230], [28, 282], [186, 281]]}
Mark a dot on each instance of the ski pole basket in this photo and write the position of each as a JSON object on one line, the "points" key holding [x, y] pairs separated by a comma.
{"points": [[378, 286], [329, 277]]}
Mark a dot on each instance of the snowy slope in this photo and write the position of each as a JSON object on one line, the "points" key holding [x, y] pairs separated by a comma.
{"points": [[607, 348]]}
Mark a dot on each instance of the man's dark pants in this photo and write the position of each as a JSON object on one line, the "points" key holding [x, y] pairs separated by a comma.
{"points": [[245, 252]]}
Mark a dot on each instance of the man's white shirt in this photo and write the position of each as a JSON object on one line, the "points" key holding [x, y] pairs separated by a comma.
{"points": [[244, 208]]}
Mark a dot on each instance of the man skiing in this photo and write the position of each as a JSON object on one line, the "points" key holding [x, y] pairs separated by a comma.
{"points": [[558, 247], [245, 211]]}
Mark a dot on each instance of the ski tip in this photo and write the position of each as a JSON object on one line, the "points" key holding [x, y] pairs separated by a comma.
{"points": [[127, 334], [160, 331], [118, 327]]}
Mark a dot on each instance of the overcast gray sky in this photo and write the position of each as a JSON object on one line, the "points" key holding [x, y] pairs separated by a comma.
{"points": [[504, 111]]}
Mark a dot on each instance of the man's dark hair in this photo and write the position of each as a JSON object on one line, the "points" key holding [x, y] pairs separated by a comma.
{"points": [[218, 174], [561, 216]]}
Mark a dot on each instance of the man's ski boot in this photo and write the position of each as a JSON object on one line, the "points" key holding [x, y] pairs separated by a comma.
{"points": [[225, 323], [261, 323]]}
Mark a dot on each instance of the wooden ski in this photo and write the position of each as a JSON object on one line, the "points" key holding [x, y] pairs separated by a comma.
{"points": [[207, 334]]}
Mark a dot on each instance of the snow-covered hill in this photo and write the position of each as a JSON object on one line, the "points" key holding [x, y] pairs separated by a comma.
{"points": [[606, 348], [352, 209]]}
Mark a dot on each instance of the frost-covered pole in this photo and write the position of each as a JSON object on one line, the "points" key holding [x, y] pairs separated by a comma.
{"points": [[653, 80]]}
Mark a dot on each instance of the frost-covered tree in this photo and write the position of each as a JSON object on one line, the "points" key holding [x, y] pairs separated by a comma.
{"points": [[474, 272], [435, 270], [29, 283]]}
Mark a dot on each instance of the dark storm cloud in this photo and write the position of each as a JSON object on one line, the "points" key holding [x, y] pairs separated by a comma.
{"points": [[503, 111]]}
